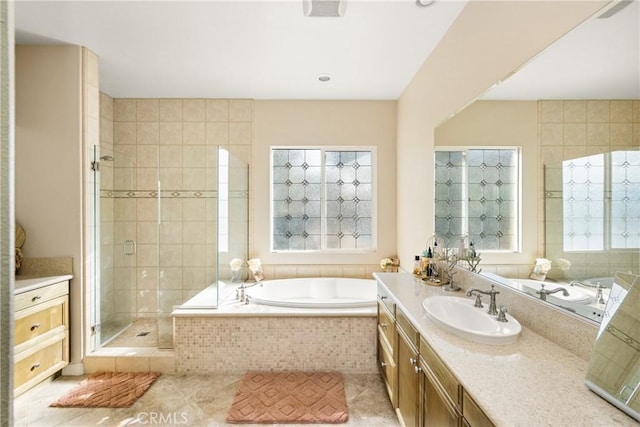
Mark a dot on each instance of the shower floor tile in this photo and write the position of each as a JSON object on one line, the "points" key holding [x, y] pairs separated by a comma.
{"points": [[141, 333], [197, 400]]}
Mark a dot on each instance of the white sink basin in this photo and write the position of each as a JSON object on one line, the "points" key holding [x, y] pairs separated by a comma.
{"points": [[459, 316]]}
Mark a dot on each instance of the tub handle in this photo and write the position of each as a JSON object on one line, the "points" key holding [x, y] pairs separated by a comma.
{"points": [[383, 297]]}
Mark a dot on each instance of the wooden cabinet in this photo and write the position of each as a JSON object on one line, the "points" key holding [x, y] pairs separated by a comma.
{"points": [[420, 386], [387, 347], [408, 377], [40, 332]]}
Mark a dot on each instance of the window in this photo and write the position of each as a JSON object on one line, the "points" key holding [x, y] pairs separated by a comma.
{"points": [[322, 199], [477, 197], [600, 201]]}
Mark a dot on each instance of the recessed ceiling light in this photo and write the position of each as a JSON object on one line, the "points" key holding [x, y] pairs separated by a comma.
{"points": [[324, 77]]}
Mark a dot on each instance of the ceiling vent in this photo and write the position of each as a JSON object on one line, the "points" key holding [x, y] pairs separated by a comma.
{"points": [[324, 8]]}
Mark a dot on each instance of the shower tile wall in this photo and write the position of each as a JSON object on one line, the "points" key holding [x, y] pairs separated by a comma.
{"points": [[174, 141], [574, 128]]}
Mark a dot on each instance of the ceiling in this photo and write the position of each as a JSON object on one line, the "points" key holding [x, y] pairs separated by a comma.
{"points": [[267, 49]]}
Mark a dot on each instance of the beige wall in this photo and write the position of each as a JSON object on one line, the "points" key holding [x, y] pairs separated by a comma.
{"points": [[503, 123], [329, 123], [49, 162], [480, 49]]}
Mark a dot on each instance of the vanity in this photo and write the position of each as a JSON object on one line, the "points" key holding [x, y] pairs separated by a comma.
{"points": [[434, 377], [41, 330]]}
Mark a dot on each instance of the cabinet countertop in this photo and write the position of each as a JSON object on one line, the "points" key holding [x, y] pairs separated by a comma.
{"points": [[531, 382], [26, 285]]}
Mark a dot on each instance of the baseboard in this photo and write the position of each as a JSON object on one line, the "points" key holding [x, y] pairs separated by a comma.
{"points": [[73, 369]]}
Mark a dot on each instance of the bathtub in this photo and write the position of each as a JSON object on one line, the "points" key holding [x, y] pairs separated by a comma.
{"points": [[315, 293]]}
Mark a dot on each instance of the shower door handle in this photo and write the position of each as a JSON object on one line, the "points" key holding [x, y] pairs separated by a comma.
{"points": [[129, 247]]}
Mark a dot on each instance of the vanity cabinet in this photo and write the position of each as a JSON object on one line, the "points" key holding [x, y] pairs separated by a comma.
{"points": [[41, 325], [387, 348], [421, 388]]}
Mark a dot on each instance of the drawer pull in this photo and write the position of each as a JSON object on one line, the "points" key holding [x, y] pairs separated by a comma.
{"points": [[36, 298], [384, 365], [383, 325], [35, 326], [412, 360], [417, 369], [35, 366]]}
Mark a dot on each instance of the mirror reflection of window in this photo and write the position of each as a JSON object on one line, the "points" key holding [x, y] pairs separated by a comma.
{"points": [[601, 194], [477, 194]]}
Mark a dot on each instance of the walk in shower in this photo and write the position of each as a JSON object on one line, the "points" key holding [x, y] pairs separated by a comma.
{"points": [[161, 240]]}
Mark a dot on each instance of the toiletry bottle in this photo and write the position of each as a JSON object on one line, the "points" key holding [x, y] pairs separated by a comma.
{"points": [[417, 266]]}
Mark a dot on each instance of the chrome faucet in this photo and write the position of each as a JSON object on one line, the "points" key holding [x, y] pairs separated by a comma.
{"points": [[492, 302], [544, 292], [241, 295], [586, 285], [599, 297]]}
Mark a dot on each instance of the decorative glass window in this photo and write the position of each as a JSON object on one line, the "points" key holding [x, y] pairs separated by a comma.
{"points": [[322, 199], [477, 196], [596, 188]]}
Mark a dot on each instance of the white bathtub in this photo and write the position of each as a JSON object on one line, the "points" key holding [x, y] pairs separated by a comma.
{"points": [[315, 293]]}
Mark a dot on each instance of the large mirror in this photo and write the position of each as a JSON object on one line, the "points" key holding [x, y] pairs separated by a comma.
{"points": [[587, 132], [614, 369]]}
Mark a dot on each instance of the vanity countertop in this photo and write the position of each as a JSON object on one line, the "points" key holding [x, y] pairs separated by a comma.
{"points": [[28, 284], [531, 382]]}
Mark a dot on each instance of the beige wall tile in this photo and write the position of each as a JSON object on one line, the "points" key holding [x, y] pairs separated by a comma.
{"points": [[106, 131], [124, 110], [598, 134], [621, 134], [575, 134], [147, 232], [308, 271], [194, 133], [574, 151], [551, 134], [355, 271], [636, 111], [194, 179], [125, 209], [146, 210], [332, 270], [194, 210], [146, 178], [621, 111], [171, 232], [551, 111], [170, 156], [165, 365], [575, 111], [146, 255], [147, 278], [636, 134], [124, 133], [171, 255], [217, 110], [106, 106], [171, 178], [194, 255], [217, 133], [193, 110], [147, 156], [172, 210], [170, 277], [598, 111], [93, 101], [194, 156], [285, 271], [148, 110], [240, 110], [171, 110], [171, 133], [148, 133], [194, 232]]}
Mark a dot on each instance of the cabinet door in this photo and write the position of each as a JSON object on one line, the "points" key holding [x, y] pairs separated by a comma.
{"points": [[436, 409], [408, 381]]}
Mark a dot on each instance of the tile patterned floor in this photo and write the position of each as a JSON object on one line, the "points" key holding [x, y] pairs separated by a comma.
{"points": [[187, 400]]}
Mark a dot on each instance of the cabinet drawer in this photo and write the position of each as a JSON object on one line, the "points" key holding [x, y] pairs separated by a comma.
{"points": [[37, 296], [383, 296], [386, 327], [388, 370], [39, 364], [35, 324], [408, 329], [441, 373], [472, 412]]}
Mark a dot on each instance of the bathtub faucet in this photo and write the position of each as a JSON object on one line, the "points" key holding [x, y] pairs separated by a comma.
{"points": [[240, 293]]}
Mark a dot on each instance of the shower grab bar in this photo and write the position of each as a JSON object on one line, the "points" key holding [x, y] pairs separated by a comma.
{"points": [[129, 247]]}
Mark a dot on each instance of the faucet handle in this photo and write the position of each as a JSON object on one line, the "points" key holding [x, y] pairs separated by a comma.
{"points": [[502, 314], [492, 291], [478, 302]]}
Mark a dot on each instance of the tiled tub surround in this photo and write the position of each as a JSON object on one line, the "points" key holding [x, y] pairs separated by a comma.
{"points": [[237, 337], [530, 382]]}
